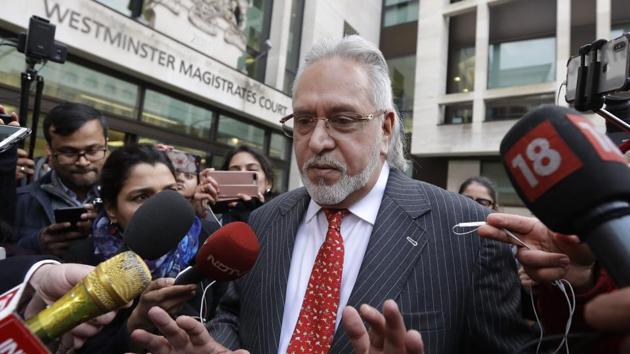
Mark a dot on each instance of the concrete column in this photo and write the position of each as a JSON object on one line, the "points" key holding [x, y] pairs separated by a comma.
{"points": [[482, 37], [563, 42], [603, 21], [279, 37], [459, 171]]}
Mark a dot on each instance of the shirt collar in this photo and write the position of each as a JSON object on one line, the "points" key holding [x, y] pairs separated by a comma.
{"points": [[363, 208]]}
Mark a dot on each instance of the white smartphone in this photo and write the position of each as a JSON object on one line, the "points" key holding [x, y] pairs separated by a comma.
{"points": [[11, 135], [614, 72]]}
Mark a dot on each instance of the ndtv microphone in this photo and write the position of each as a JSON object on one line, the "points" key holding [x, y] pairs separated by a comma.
{"points": [[575, 180], [227, 254]]}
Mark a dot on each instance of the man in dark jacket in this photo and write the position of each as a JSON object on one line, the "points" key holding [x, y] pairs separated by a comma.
{"points": [[76, 135]]}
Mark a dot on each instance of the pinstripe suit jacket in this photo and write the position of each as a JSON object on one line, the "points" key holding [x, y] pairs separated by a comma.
{"points": [[460, 292]]}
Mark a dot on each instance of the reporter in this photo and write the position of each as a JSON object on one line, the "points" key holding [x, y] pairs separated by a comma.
{"points": [[241, 158], [8, 162]]}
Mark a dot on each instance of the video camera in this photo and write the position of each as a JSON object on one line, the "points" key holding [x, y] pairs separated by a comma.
{"points": [[38, 44]]}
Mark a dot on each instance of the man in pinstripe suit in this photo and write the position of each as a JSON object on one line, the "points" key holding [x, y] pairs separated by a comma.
{"points": [[460, 292]]}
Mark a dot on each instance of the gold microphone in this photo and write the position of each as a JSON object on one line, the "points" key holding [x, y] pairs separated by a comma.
{"points": [[110, 285]]}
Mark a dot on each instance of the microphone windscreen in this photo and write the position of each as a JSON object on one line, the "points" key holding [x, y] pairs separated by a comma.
{"points": [[561, 167], [229, 252], [159, 224]]}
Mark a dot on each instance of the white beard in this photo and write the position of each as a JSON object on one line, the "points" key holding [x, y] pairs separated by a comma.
{"points": [[324, 194]]}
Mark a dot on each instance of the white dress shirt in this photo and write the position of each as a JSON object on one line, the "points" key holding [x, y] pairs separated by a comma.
{"points": [[356, 228]]}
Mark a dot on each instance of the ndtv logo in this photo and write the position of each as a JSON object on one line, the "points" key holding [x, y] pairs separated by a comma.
{"points": [[9, 346], [222, 267]]}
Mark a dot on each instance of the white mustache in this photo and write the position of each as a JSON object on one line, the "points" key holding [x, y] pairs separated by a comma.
{"points": [[324, 162]]}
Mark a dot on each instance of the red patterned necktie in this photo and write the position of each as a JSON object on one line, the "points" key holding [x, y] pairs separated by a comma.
{"points": [[315, 327]]}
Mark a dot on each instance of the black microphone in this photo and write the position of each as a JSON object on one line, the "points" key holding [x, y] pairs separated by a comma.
{"points": [[575, 180], [158, 225], [227, 254]]}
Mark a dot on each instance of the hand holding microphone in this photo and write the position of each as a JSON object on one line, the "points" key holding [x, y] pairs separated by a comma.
{"points": [[111, 285], [575, 180]]}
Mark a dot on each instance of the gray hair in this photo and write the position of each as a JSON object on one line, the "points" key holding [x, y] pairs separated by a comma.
{"points": [[357, 49]]}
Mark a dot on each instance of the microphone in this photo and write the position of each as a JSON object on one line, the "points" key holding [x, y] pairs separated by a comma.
{"points": [[110, 285], [227, 254], [159, 224], [575, 180]]}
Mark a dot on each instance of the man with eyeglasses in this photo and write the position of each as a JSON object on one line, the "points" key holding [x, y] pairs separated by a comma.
{"points": [[76, 136], [361, 242]]}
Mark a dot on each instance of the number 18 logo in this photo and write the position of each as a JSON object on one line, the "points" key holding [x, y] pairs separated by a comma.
{"points": [[539, 160]]}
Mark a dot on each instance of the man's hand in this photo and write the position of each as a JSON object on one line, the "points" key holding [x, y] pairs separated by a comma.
{"points": [[183, 336], [553, 256], [52, 281], [162, 293], [87, 218], [56, 238], [387, 333], [25, 166]]}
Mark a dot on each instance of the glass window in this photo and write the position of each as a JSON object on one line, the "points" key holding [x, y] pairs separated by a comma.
{"points": [[295, 39], [279, 179], [461, 53], [530, 61], [121, 6], [402, 72], [458, 113], [522, 52], [400, 11], [75, 83], [348, 30], [175, 115], [515, 107], [506, 194], [235, 132], [620, 17], [257, 26], [278, 146], [116, 139]]}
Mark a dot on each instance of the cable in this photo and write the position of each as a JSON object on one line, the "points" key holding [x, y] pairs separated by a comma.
{"points": [[564, 83], [587, 337], [202, 315]]}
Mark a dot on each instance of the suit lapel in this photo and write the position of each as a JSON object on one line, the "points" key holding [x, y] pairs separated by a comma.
{"points": [[280, 238], [395, 245]]}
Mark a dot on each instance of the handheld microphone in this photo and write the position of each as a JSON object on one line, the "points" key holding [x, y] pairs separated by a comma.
{"points": [[575, 180], [111, 285], [159, 224], [227, 254]]}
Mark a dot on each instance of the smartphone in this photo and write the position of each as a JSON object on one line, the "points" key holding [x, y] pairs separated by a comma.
{"points": [[232, 183], [11, 135], [614, 72], [71, 215]]}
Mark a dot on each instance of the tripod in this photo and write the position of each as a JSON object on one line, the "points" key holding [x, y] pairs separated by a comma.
{"points": [[586, 96], [27, 77]]}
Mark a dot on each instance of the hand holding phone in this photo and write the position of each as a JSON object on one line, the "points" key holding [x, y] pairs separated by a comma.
{"points": [[234, 184]]}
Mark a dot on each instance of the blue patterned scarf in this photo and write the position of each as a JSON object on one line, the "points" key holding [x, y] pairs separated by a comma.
{"points": [[108, 241]]}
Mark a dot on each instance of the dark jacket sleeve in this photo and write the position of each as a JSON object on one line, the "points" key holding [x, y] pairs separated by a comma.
{"points": [[30, 219], [15, 268]]}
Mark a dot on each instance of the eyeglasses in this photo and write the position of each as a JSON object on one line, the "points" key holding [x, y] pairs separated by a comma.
{"points": [[72, 156], [483, 201], [341, 122]]}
